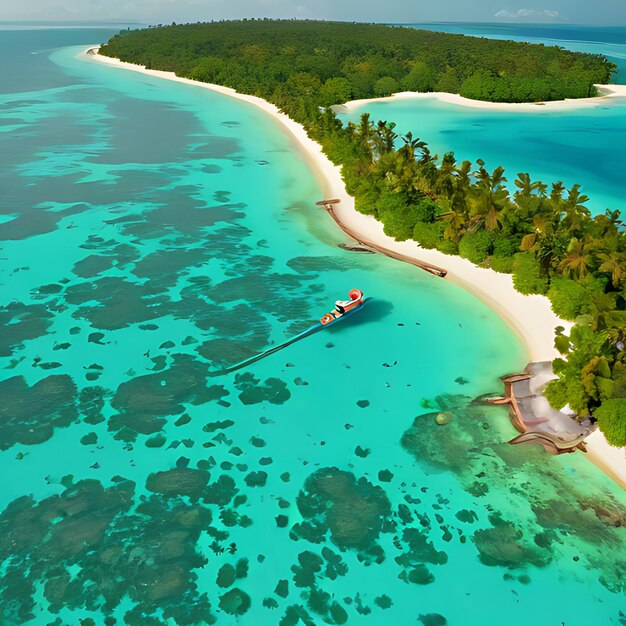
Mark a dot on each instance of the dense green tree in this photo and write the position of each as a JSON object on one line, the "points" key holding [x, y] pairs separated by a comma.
{"points": [[421, 77], [572, 298], [476, 246], [528, 277], [259, 55], [427, 235], [335, 90], [385, 86], [585, 373], [448, 81], [612, 421]]}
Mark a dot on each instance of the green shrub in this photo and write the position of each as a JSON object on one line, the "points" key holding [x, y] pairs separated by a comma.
{"points": [[336, 90], [397, 216], [611, 416], [208, 70], [527, 274], [426, 210], [476, 246], [505, 245], [557, 393], [303, 84], [366, 202], [420, 78], [447, 246], [427, 235], [502, 264], [570, 391], [448, 81], [571, 298], [385, 86], [483, 85]]}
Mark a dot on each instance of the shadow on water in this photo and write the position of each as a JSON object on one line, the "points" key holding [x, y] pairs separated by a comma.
{"points": [[375, 311]]}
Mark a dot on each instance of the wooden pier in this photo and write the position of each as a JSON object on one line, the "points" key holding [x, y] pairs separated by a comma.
{"points": [[427, 267], [534, 418]]}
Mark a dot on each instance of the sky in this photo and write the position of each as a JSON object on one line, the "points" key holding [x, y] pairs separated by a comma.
{"points": [[598, 12]]}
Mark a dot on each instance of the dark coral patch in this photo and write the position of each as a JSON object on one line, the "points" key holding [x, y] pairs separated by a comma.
{"points": [[432, 619], [272, 293], [19, 323], [235, 602], [144, 402], [179, 481], [383, 601], [504, 545], [225, 351], [29, 415], [419, 575], [256, 479], [317, 264], [118, 302], [273, 390], [147, 553], [419, 550], [352, 510], [385, 476]]}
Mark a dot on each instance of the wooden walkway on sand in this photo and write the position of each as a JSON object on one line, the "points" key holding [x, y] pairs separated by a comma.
{"points": [[428, 267], [534, 418]]}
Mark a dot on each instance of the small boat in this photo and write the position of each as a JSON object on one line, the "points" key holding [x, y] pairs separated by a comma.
{"points": [[344, 308], [345, 246]]}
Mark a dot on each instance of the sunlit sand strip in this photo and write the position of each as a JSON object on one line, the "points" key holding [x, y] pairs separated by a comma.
{"points": [[607, 93]]}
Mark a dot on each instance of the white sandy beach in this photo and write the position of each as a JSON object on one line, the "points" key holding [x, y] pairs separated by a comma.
{"points": [[607, 92], [530, 317]]}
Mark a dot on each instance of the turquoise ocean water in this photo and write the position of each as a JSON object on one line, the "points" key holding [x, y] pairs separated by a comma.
{"points": [[152, 232], [585, 146]]}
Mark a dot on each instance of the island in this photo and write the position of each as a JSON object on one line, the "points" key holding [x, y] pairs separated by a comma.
{"points": [[541, 234]]}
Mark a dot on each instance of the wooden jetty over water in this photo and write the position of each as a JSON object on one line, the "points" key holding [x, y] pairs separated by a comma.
{"points": [[428, 267], [534, 418]]}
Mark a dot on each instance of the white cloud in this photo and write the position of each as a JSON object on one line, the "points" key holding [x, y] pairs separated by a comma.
{"points": [[524, 14]]}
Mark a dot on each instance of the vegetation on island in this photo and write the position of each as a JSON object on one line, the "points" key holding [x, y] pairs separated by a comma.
{"points": [[544, 235]]}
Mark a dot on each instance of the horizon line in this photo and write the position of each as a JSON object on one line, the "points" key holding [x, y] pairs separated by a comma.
{"points": [[72, 21]]}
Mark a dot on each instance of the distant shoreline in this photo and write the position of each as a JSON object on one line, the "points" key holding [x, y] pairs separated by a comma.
{"points": [[530, 317], [607, 92]]}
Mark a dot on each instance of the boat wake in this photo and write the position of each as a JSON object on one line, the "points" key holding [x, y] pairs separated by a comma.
{"points": [[323, 323]]}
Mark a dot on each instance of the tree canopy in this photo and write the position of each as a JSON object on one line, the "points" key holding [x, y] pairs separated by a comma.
{"points": [[263, 56]]}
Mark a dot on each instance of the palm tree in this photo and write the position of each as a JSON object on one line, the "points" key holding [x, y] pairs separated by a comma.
{"points": [[366, 133], [463, 181], [528, 188], [556, 195], [609, 224], [446, 183], [411, 146], [488, 199], [575, 210], [578, 260], [528, 199], [384, 139], [455, 224], [613, 263]]}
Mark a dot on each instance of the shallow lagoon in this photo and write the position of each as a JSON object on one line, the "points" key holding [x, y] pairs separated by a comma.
{"points": [[585, 146], [152, 231]]}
